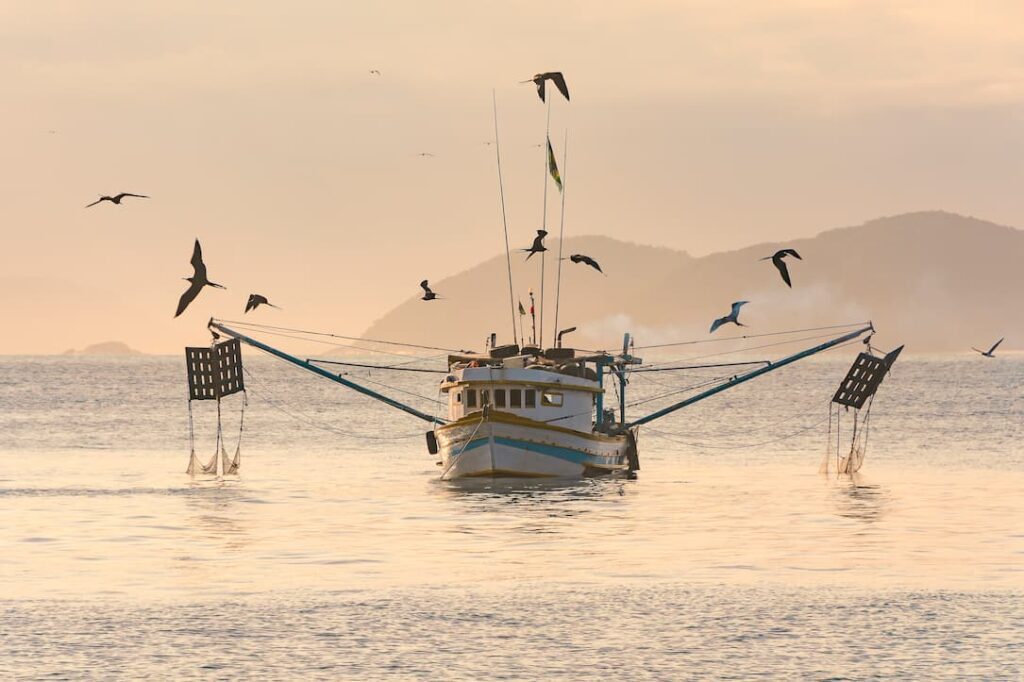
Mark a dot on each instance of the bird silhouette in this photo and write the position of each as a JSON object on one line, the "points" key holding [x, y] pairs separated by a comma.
{"points": [[586, 260], [990, 353], [198, 280], [731, 317], [374, 72], [428, 293], [256, 300], [116, 199], [538, 244], [555, 77], [424, 154], [778, 262]]}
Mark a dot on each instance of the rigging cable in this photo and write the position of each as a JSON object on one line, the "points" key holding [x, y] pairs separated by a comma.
{"points": [[750, 336], [339, 336], [315, 424], [504, 218]]}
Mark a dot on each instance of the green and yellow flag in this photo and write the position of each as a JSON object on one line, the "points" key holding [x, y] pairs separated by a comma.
{"points": [[553, 167], [522, 310]]}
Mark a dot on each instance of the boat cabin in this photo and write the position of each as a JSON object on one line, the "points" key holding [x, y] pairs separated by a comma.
{"points": [[554, 387]]}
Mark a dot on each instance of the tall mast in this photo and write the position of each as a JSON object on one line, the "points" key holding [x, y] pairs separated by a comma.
{"points": [[544, 220], [561, 229], [504, 219]]}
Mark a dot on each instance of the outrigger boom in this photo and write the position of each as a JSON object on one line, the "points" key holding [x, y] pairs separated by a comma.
{"points": [[616, 364], [753, 374]]}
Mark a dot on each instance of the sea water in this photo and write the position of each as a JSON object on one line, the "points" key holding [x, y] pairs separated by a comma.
{"points": [[338, 554]]}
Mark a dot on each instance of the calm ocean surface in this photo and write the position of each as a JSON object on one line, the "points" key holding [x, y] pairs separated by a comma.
{"points": [[338, 554]]}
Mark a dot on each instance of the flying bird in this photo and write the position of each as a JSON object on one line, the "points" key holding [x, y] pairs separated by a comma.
{"points": [[553, 76], [256, 300], [374, 72], [778, 262], [428, 293], [731, 317], [198, 280], [538, 244], [990, 353], [586, 260], [116, 199], [424, 154]]}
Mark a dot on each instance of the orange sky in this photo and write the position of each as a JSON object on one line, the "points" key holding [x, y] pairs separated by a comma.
{"points": [[256, 127]]}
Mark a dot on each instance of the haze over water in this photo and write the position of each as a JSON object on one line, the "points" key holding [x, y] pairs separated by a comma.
{"points": [[339, 553]]}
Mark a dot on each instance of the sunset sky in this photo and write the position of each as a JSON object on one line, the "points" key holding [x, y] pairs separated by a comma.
{"points": [[257, 127]]}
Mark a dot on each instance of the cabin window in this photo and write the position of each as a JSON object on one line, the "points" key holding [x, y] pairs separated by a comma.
{"points": [[515, 398], [470, 397], [499, 397], [458, 396], [531, 397], [485, 397], [551, 399]]}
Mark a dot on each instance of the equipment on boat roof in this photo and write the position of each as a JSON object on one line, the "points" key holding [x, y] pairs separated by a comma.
{"points": [[857, 392], [215, 372]]}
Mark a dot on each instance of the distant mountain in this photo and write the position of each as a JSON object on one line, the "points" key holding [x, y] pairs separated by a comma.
{"points": [[105, 348], [933, 280]]}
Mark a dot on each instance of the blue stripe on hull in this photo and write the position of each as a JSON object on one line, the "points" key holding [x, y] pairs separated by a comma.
{"points": [[567, 454]]}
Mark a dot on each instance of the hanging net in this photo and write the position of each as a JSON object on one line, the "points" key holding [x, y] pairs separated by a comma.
{"points": [[214, 373], [855, 395]]}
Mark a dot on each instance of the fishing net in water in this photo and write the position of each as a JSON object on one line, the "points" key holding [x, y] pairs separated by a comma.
{"points": [[855, 395], [214, 373], [850, 462]]}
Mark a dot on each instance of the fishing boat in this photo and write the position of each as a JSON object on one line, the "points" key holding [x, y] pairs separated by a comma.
{"points": [[529, 412]]}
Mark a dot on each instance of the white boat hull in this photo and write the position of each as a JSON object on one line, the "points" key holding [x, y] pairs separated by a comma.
{"points": [[505, 445]]}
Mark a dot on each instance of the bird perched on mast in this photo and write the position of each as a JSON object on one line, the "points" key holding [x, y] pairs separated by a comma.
{"points": [[538, 244], [778, 262], [586, 260], [198, 280], [733, 317], [990, 353], [256, 300], [116, 199], [553, 76], [428, 294]]}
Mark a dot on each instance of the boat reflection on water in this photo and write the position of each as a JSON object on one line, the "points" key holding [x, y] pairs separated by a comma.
{"points": [[537, 497]]}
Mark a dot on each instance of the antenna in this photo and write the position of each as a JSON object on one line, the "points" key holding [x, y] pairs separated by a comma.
{"points": [[504, 219], [561, 227], [544, 223]]}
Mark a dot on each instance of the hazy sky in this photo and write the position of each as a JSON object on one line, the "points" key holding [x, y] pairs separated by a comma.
{"points": [[255, 126]]}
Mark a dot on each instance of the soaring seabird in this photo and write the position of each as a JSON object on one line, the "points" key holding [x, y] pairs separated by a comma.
{"points": [[778, 262], [553, 76], [116, 199], [731, 317], [586, 260], [990, 353], [198, 280], [538, 244], [256, 300]]}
